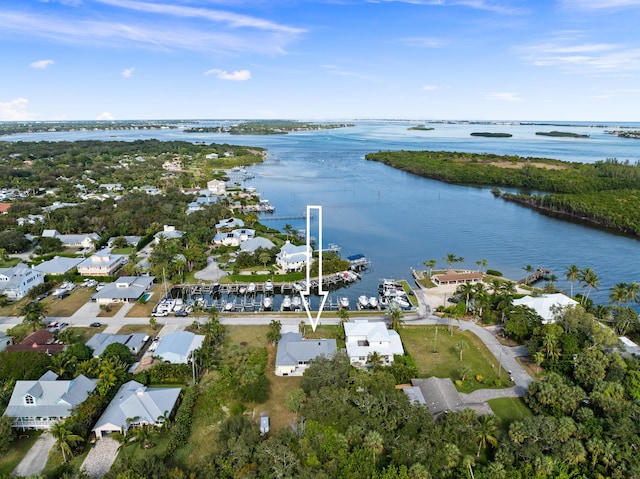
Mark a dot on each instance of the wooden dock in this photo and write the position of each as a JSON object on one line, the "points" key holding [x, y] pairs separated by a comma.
{"points": [[538, 275]]}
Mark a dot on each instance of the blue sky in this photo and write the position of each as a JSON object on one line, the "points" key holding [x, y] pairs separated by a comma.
{"points": [[320, 60]]}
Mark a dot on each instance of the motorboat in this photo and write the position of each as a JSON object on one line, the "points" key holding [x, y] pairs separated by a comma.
{"points": [[268, 286], [251, 288], [363, 301], [296, 302], [403, 303], [286, 303], [242, 289], [267, 303], [373, 302], [299, 286], [229, 305], [344, 302]]}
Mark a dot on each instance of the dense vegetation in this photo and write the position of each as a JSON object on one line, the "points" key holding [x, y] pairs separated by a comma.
{"points": [[561, 134], [489, 134], [421, 128], [601, 193], [12, 128]]}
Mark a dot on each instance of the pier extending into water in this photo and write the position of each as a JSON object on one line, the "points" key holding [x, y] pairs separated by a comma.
{"points": [[538, 275]]}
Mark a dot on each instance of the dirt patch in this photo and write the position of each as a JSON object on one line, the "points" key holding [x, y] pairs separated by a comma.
{"points": [[519, 165]]}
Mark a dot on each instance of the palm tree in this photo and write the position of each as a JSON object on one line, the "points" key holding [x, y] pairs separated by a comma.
{"points": [[487, 432], [466, 290], [619, 293], [460, 347], [633, 290], [528, 269], [589, 280], [395, 316], [430, 264], [374, 359], [65, 439], [482, 263], [451, 258], [34, 313], [374, 442], [142, 434], [572, 273]]}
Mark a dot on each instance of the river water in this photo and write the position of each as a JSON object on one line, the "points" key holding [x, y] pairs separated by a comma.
{"points": [[398, 220]]}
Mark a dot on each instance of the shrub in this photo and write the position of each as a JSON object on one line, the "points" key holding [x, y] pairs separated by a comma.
{"points": [[479, 378], [459, 383], [494, 272]]}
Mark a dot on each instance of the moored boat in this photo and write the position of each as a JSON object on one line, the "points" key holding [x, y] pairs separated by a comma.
{"points": [[251, 288], [286, 303], [267, 303], [344, 302], [363, 301], [268, 286], [373, 302]]}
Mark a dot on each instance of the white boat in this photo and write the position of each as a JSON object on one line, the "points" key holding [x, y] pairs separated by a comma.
{"points": [[229, 306], [251, 288], [267, 303], [242, 289], [296, 302], [403, 303], [344, 302], [179, 305], [363, 301], [268, 286], [373, 302], [286, 303]]}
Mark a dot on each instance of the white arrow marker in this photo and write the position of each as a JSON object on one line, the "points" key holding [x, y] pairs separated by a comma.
{"points": [[307, 291]]}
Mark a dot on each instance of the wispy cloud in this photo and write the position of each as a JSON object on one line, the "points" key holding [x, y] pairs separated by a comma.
{"points": [[504, 96], [600, 4], [496, 6], [105, 115], [41, 64], [238, 75], [424, 42], [335, 70], [576, 57], [429, 87], [127, 72], [14, 110]]}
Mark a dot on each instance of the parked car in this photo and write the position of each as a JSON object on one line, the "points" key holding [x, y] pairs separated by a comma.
{"points": [[95, 324], [181, 313]]}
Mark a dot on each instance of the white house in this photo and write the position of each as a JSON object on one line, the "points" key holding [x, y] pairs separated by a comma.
{"points": [[126, 289], [58, 265], [234, 238], [229, 224], [253, 244], [16, 281], [99, 342], [40, 404], [168, 232], [293, 258], [364, 338], [102, 263], [294, 353], [217, 187], [82, 240], [542, 305], [177, 347], [133, 400]]}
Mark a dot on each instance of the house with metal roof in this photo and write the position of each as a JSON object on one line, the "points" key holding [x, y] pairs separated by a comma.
{"points": [[254, 243], [58, 265], [544, 305], [229, 224], [126, 289], [234, 237], [16, 281], [292, 257], [168, 233], [102, 263], [295, 352], [364, 338], [177, 347], [136, 405], [82, 240], [41, 403], [99, 342]]}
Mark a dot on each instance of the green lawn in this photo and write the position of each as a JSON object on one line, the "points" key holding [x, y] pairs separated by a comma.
{"points": [[419, 342], [19, 448], [509, 410], [137, 328], [69, 305]]}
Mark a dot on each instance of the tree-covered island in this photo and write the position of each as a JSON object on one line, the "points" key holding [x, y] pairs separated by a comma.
{"points": [[561, 134], [18, 127], [605, 194], [271, 127], [489, 134]]}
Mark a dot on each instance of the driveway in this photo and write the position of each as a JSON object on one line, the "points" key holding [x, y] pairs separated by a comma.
{"points": [[35, 459], [100, 457]]}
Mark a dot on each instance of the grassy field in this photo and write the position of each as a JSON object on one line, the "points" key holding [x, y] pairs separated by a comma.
{"points": [[86, 333], [509, 410], [419, 343], [69, 305], [18, 449], [111, 311], [137, 328]]}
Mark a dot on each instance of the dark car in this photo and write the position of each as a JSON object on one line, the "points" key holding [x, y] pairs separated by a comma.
{"points": [[95, 325], [180, 313]]}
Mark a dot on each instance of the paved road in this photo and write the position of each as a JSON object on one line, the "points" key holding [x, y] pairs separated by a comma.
{"points": [[35, 459]]}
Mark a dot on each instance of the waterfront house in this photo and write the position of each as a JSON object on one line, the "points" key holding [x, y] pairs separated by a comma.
{"points": [[543, 305], [41, 341], [177, 347], [457, 277], [16, 281], [252, 244], [295, 352], [229, 224], [234, 238], [136, 405], [364, 338], [99, 342], [82, 240], [102, 263], [293, 258], [58, 265], [217, 187], [126, 289], [41, 403]]}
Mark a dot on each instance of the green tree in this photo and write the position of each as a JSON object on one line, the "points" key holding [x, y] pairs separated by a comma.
{"points": [[451, 258], [34, 313], [395, 316], [273, 335], [295, 400], [374, 442], [375, 359], [487, 432], [7, 434], [590, 281], [460, 347], [572, 274], [430, 264], [65, 439], [119, 351]]}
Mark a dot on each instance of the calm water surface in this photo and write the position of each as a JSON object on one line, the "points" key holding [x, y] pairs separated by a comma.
{"points": [[399, 220]]}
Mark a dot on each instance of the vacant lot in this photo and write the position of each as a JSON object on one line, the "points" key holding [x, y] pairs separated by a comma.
{"points": [[509, 410], [421, 342], [69, 305]]}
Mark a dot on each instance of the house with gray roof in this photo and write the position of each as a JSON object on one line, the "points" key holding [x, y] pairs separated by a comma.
{"points": [[58, 265], [135, 342], [234, 237], [292, 257], [102, 263], [254, 243], [177, 347], [168, 233], [82, 240], [295, 352], [41, 403], [126, 289], [229, 224], [16, 281], [149, 406], [130, 239]]}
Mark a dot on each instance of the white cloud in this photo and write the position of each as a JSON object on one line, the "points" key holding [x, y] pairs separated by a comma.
{"points": [[41, 64], [424, 42], [238, 75], [495, 6], [127, 72], [105, 115], [429, 87], [14, 110], [504, 96], [600, 4]]}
